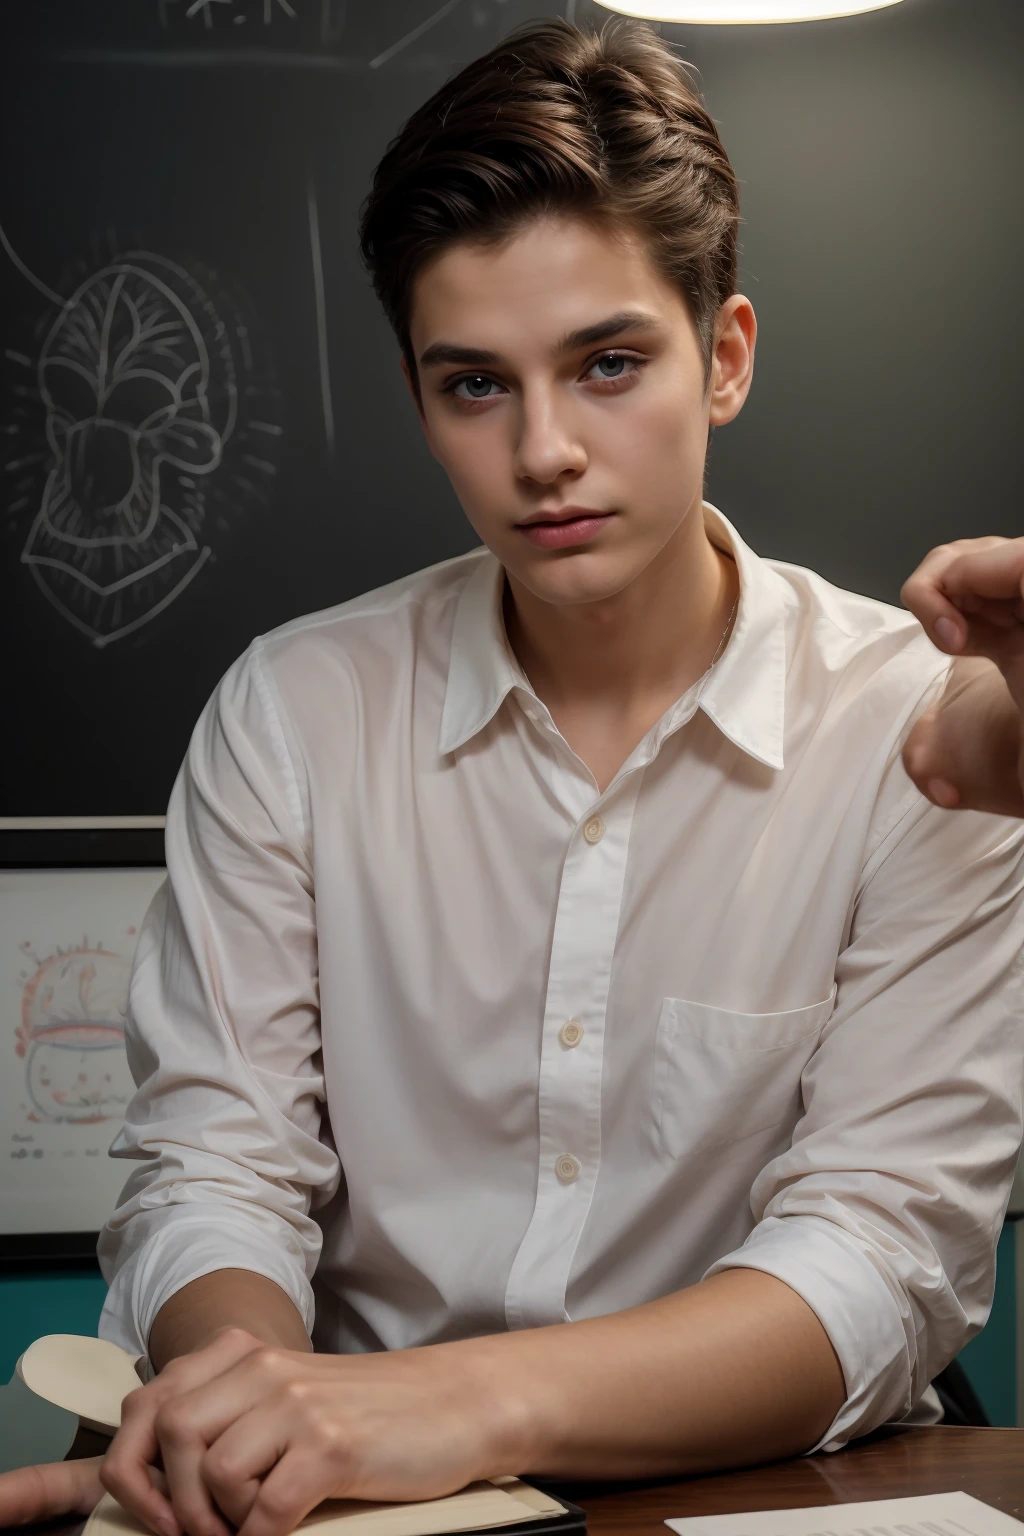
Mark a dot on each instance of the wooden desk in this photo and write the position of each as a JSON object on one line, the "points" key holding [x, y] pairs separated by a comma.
{"points": [[988, 1463]]}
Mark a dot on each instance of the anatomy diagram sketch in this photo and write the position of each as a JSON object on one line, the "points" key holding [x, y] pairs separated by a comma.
{"points": [[71, 1033], [68, 938], [135, 418]]}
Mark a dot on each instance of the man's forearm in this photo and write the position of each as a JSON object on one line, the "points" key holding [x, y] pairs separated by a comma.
{"points": [[226, 1298], [734, 1371]]}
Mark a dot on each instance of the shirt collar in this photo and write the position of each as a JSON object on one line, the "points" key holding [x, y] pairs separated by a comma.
{"points": [[745, 694], [483, 667]]}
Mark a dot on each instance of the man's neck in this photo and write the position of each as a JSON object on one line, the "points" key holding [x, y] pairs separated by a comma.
{"points": [[638, 650]]}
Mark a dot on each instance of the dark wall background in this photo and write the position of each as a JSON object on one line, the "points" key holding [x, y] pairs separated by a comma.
{"points": [[230, 142]]}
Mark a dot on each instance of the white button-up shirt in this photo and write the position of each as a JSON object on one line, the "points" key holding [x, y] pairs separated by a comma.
{"points": [[445, 1042]]}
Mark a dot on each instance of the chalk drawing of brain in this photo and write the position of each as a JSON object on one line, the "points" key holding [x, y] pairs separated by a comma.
{"points": [[135, 375], [72, 1036], [125, 377], [143, 409]]}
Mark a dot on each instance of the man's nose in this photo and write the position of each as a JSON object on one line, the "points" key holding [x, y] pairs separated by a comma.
{"points": [[549, 443]]}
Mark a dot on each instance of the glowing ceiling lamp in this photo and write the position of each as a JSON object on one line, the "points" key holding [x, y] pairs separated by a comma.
{"points": [[738, 12]]}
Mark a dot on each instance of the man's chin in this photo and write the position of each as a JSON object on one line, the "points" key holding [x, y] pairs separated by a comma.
{"points": [[574, 594], [570, 578]]}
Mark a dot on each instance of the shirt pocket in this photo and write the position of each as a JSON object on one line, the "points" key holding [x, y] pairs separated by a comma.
{"points": [[721, 1076]]}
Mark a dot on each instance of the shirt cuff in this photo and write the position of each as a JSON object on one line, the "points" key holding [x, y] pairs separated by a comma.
{"points": [[185, 1246], [841, 1282]]}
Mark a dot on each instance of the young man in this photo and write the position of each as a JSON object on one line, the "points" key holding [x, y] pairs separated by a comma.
{"points": [[562, 1005]]}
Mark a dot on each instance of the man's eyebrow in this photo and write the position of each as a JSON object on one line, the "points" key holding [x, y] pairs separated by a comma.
{"points": [[572, 341]]}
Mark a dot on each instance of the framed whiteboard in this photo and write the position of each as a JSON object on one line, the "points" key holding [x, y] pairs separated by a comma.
{"points": [[67, 941]]}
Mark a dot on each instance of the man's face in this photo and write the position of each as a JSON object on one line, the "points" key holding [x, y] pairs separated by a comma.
{"points": [[560, 373]]}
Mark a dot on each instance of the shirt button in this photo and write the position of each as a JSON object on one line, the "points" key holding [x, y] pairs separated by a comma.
{"points": [[571, 1033], [594, 830], [568, 1168]]}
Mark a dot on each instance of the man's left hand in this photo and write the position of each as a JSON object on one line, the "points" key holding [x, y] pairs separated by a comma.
{"points": [[262, 1435]]}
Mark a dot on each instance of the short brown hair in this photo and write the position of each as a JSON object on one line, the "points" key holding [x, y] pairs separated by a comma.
{"points": [[556, 120]]}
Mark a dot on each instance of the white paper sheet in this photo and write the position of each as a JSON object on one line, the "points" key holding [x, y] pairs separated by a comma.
{"points": [[932, 1514]]}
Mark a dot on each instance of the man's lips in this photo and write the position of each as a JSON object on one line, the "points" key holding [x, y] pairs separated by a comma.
{"points": [[562, 515], [573, 525]]}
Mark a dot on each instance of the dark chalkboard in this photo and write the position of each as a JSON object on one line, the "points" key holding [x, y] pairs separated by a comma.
{"points": [[178, 201]]}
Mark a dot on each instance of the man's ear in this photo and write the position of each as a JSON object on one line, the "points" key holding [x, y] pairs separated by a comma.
{"points": [[733, 366], [411, 387]]}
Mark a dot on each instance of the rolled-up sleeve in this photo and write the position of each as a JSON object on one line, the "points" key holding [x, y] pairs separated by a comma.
{"points": [[885, 1210], [223, 1030]]}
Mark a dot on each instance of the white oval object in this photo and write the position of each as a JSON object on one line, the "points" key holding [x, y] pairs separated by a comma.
{"points": [[739, 12], [90, 1377]]}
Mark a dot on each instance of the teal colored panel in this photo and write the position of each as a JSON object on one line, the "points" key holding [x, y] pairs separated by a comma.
{"points": [[990, 1359], [63, 1301], [31, 1430]]}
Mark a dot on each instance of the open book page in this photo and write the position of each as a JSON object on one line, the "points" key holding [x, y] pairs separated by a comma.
{"points": [[931, 1514], [476, 1508]]}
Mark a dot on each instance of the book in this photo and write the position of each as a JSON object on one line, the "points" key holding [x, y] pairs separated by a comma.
{"points": [[480, 1507]]}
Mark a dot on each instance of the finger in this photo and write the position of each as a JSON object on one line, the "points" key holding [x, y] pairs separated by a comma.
{"points": [[918, 759], [136, 1447], [996, 571], [942, 793], [298, 1483], [924, 595], [990, 613], [236, 1463], [45, 1492], [190, 1423], [964, 621], [255, 1393], [124, 1472], [965, 751], [183, 1448]]}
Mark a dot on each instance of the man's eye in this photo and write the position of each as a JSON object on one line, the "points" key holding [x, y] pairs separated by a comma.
{"points": [[612, 365], [476, 387], [615, 366]]}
